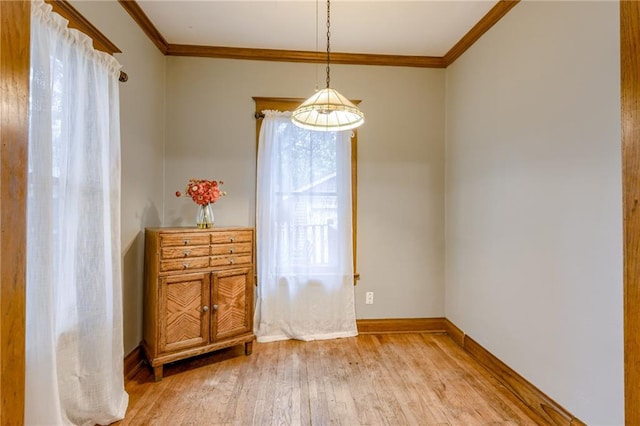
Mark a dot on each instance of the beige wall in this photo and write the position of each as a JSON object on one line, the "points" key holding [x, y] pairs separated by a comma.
{"points": [[533, 201], [142, 101], [533, 192], [210, 133]]}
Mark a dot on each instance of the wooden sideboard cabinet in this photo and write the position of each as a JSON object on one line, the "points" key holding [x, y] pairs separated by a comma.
{"points": [[198, 292]]}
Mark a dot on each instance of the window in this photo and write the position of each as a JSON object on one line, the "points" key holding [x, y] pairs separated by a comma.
{"points": [[312, 194], [304, 232]]}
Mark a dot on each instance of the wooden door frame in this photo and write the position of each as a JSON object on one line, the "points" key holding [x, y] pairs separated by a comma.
{"points": [[630, 117], [15, 18], [14, 91]]}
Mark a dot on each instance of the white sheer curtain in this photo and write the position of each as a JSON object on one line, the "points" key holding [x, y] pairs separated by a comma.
{"points": [[304, 233], [74, 349]]}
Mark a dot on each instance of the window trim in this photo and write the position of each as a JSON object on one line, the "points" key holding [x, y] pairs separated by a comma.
{"points": [[289, 104]]}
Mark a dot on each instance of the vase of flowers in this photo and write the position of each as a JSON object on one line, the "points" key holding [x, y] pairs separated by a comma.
{"points": [[204, 193], [204, 218]]}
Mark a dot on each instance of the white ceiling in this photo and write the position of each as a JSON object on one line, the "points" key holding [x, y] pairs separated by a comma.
{"points": [[391, 27]]}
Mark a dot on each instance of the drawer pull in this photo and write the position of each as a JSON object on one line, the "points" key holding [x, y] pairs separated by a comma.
{"points": [[215, 307], [205, 308], [185, 265], [186, 253], [231, 250], [230, 261], [232, 239], [186, 242]]}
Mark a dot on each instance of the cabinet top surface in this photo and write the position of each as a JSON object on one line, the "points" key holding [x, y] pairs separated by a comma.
{"points": [[192, 229]]}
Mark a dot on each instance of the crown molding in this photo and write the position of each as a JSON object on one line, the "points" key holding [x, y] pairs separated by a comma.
{"points": [[303, 56], [487, 21], [143, 21]]}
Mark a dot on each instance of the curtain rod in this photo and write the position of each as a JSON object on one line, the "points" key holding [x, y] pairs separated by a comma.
{"points": [[258, 115], [123, 77]]}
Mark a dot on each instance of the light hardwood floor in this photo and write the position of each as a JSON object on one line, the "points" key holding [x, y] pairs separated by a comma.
{"points": [[388, 379]]}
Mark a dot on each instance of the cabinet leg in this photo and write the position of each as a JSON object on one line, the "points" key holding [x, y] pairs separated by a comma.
{"points": [[248, 348], [157, 373]]}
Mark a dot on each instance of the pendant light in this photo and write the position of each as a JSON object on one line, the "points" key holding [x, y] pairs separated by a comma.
{"points": [[327, 110]]}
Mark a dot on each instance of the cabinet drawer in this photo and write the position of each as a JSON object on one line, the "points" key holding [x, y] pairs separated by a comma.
{"points": [[218, 249], [167, 240], [184, 252], [231, 260], [231, 237], [184, 264]]}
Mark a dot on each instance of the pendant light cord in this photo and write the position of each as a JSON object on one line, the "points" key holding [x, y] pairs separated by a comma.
{"points": [[328, 38], [317, 52]]}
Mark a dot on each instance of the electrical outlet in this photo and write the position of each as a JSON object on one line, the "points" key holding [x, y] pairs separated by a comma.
{"points": [[369, 298]]}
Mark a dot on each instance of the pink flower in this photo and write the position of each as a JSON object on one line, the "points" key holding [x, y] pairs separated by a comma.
{"points": [[203, 191]]}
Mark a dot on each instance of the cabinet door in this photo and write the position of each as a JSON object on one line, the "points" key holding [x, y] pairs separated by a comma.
{"points": [[184, 311], [232, 295]]}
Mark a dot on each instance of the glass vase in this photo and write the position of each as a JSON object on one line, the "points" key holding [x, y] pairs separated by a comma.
{"points": [[204, 219]]}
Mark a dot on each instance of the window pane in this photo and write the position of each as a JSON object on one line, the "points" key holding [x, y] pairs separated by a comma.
{"points": [[307, 192]]}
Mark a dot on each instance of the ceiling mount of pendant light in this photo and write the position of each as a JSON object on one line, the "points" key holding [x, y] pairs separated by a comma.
{"points": [[327, 109]]}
